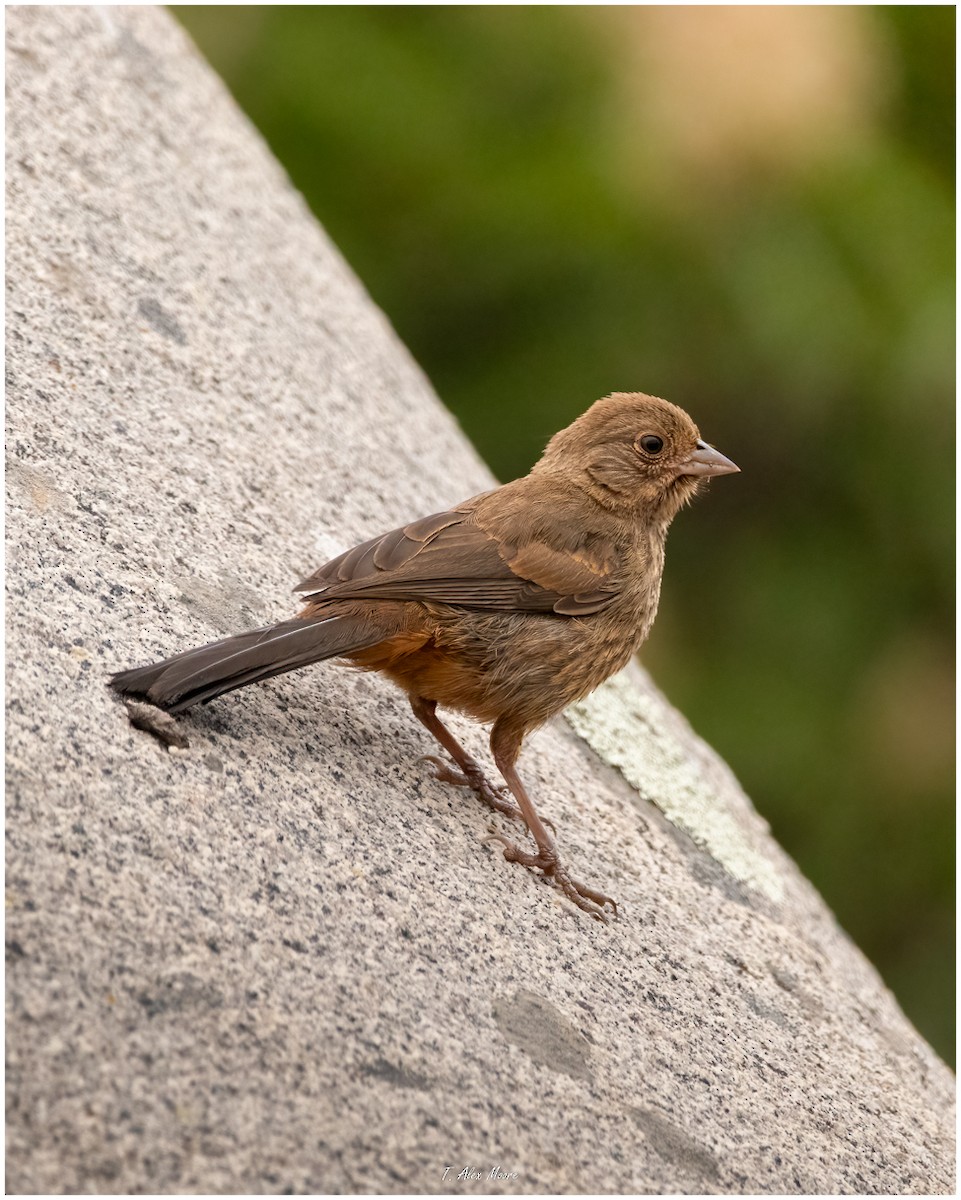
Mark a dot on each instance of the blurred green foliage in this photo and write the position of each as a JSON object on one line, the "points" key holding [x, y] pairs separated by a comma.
{"points": [[540, 235]]}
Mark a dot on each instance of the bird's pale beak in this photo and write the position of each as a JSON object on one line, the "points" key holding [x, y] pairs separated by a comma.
{"points": [[707, 461]]}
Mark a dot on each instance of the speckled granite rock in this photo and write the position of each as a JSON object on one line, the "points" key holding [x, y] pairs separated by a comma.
{"points": [[283, 958]]}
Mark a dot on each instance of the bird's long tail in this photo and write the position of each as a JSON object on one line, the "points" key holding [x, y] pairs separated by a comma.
{"points": [[197, 676]]}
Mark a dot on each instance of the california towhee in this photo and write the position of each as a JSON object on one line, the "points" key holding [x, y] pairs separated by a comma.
{"points": [[508, 607]]}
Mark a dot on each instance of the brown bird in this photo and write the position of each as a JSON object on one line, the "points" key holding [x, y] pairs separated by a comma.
{"points": [[508, 607]]}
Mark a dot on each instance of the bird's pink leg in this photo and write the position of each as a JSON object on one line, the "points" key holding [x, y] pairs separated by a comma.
{"points": [[505, 746], [470, 774]]}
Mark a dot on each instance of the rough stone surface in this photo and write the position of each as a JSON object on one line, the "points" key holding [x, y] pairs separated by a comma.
{"points": [[283, 958]]}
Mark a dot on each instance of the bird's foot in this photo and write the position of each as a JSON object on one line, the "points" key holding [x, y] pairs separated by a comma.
{"points": [[474, 778], [586, 898]]}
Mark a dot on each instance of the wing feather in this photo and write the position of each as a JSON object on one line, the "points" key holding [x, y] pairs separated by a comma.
{"points": [[448, 558]]}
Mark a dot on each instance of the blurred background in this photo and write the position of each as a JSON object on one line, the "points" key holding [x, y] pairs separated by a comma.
{"points": [[748, 210]]}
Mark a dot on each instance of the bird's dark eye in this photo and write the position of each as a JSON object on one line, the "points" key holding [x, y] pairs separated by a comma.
{"points": [[652, 444]]}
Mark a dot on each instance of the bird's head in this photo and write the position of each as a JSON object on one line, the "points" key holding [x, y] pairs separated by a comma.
{"points": [[633, 451]]}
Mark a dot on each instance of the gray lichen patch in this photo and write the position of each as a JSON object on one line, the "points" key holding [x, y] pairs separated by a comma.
{"points": [[160, 320], [674, 1145], [538, 1028]]}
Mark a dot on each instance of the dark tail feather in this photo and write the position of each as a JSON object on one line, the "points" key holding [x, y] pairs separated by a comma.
{"points": [[199, 675]]}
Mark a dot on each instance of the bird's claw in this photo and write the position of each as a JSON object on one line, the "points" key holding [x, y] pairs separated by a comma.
{"points": [[586, 898], [444, 771], [493, 797]]}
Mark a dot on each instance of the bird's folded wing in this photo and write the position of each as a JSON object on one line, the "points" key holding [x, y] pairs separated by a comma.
{"points": [[448, 558]]}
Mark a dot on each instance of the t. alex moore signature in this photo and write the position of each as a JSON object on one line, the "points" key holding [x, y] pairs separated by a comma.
{"points": [[496, 1174]]}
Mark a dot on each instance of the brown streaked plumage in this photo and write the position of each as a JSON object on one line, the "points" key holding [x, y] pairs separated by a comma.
{"points": [[508, 607]]}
